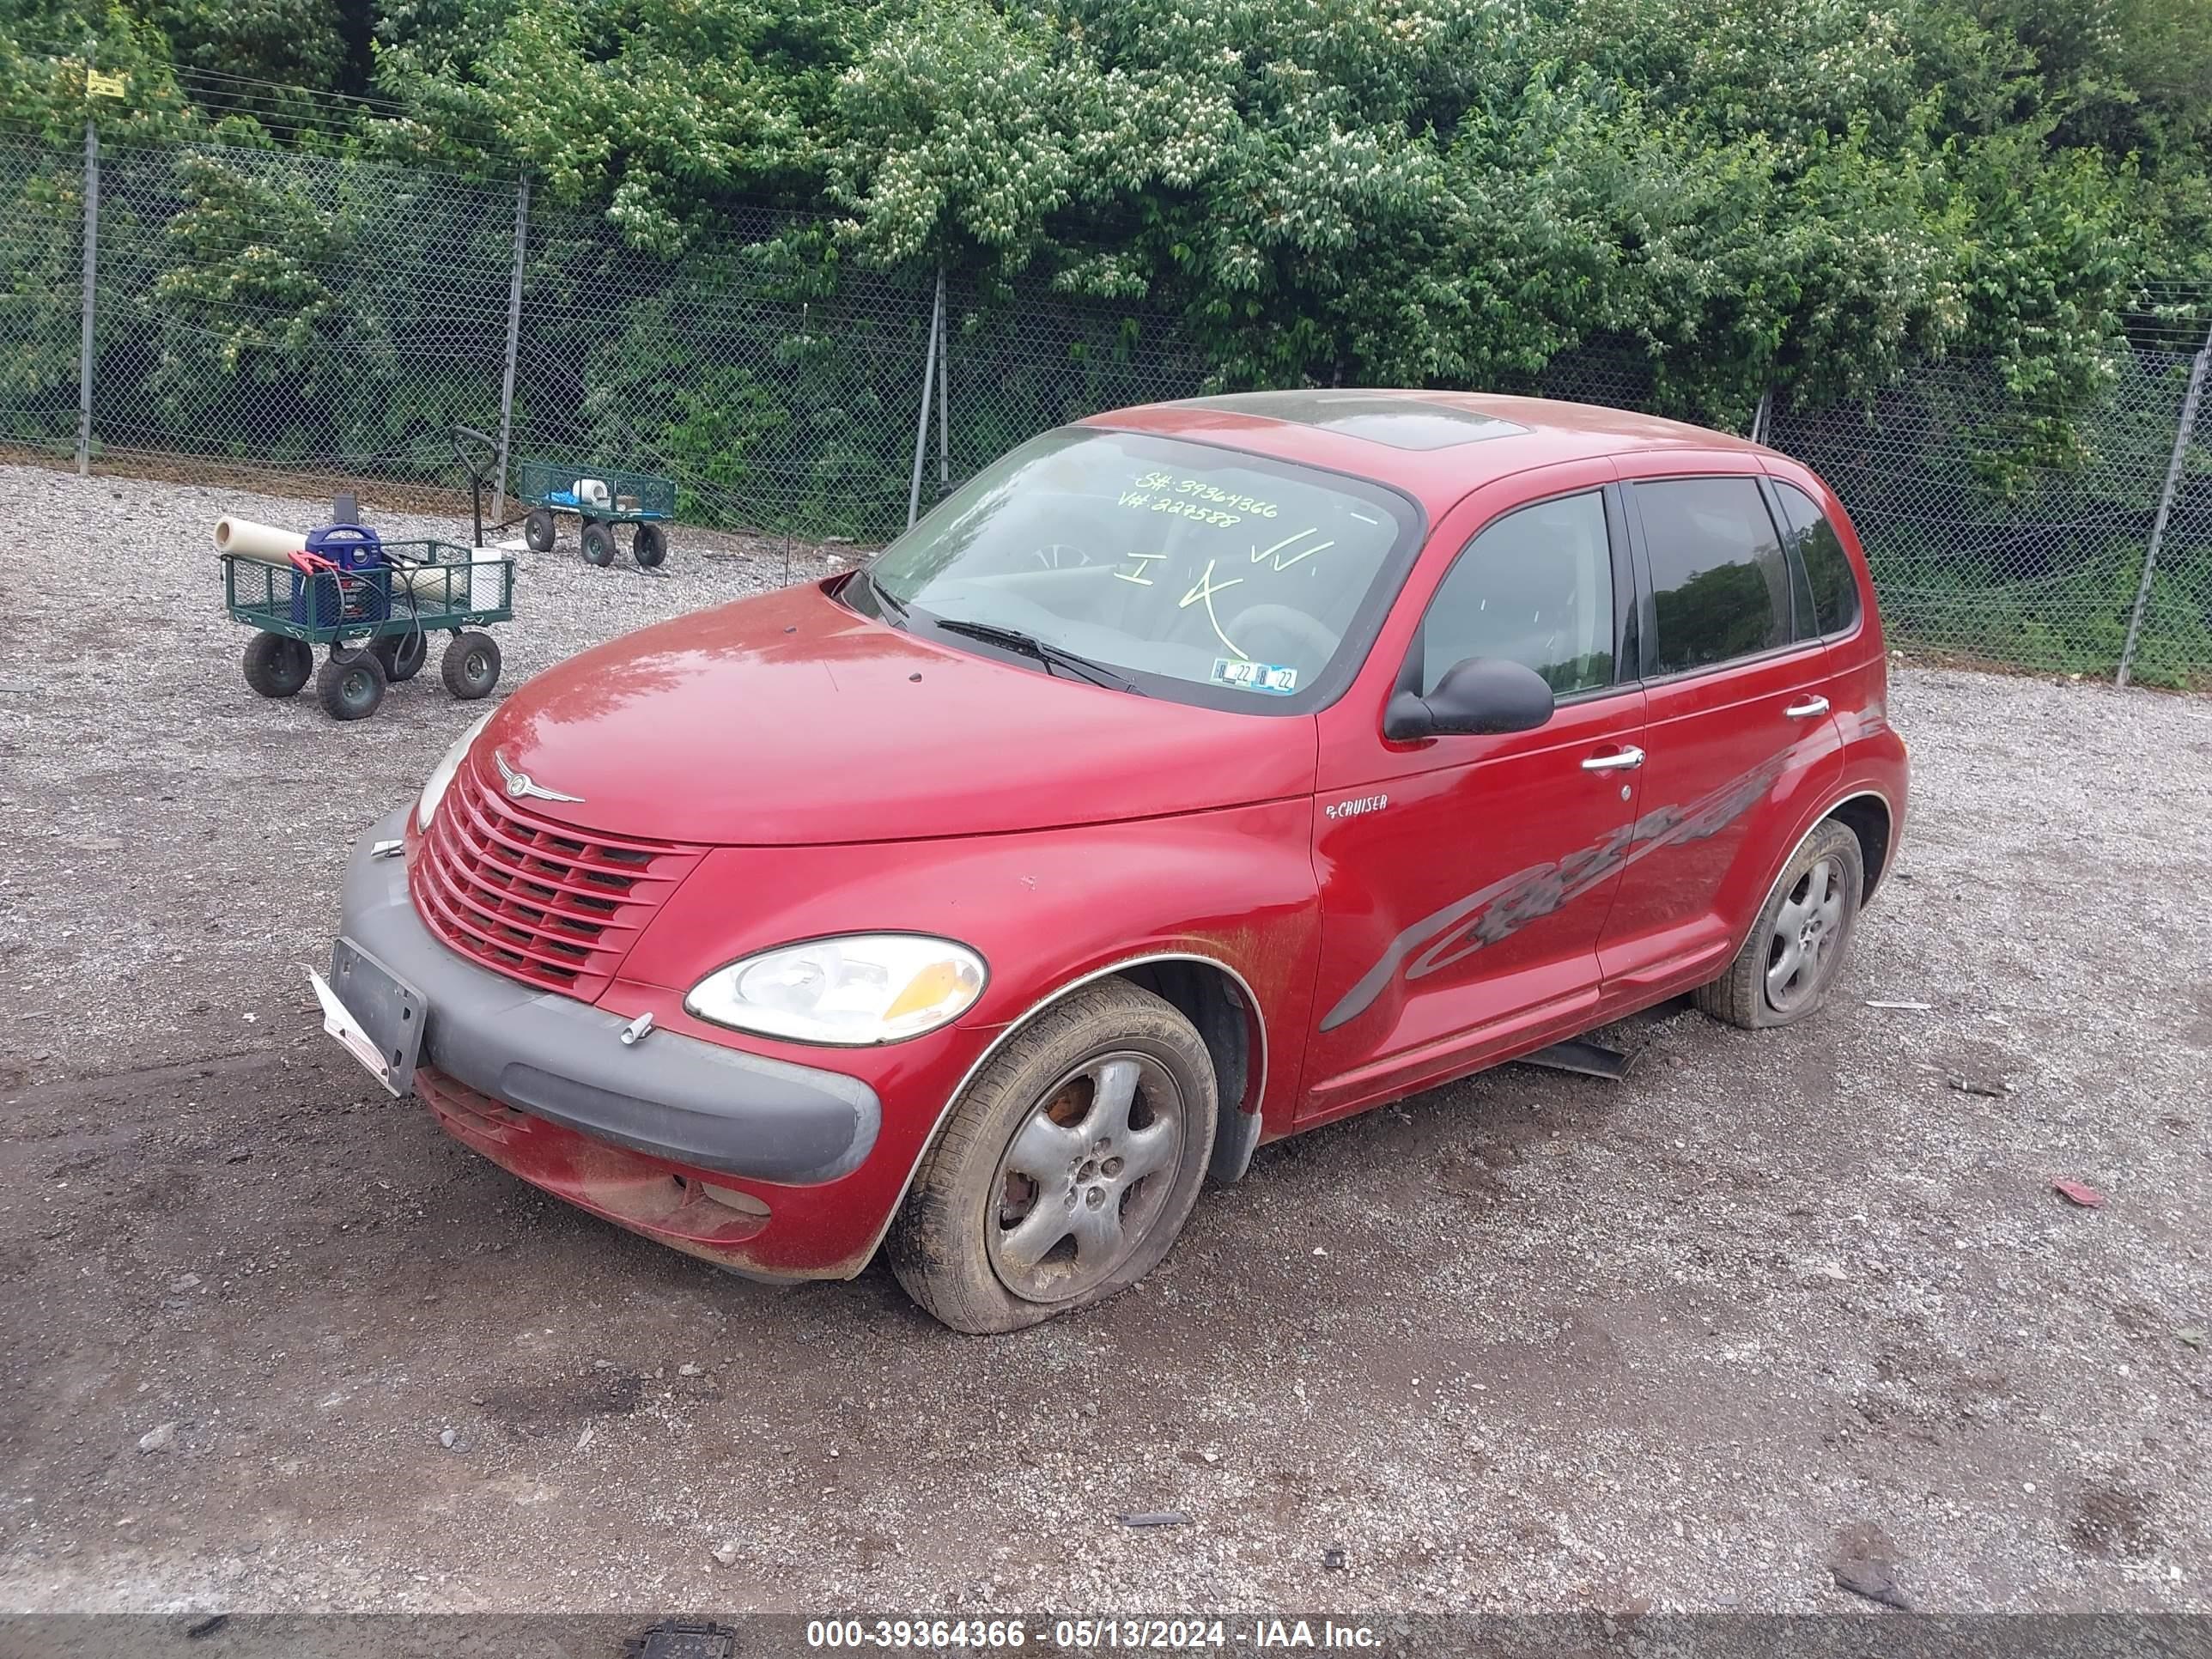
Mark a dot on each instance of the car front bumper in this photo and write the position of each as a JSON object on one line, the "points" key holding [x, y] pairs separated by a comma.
{"points": [[671, 1098]]}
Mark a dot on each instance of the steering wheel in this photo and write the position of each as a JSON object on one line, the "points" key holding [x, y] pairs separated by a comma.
{"points": [[1313, 641], [477, 452]]}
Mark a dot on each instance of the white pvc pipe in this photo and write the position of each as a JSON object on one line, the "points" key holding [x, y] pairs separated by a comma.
{"points": [[264, 542]]}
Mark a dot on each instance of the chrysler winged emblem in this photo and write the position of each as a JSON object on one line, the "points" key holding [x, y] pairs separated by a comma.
{"points": [[522, 784]]}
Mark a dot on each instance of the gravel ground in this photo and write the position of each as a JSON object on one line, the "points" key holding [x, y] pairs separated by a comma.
{"points": [[1528, 1343]]}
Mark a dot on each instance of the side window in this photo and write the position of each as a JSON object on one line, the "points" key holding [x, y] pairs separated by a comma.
{"points": [[1720, 587], [1535, 587], [1835, 588]]}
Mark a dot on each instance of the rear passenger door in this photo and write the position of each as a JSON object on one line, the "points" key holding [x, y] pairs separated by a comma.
{"points": [[1738, 741]]}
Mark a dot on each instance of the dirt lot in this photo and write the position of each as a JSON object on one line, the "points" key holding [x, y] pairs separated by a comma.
{"points": [[1528, 1343]]}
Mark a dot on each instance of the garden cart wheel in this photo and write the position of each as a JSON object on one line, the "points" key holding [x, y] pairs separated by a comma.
{"points": [[277, 666], [403, 655], [598, 543], [538, 531], [648, 545], [351, 684], [470, 665]]}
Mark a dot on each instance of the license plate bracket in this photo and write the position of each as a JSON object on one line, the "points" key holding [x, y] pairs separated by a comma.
{"points": [[376, 1016]]}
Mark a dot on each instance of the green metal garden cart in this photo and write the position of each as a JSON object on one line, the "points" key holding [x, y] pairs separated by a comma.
{"points": [[601, 497], [376, 619]]}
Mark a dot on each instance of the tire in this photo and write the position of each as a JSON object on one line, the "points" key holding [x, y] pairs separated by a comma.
{"points": [[403, 655], [975, 1243], [538, 531], [1815, 903], [470, 665], [648, 545], [277, 666], [351, 684], [599, 544]]}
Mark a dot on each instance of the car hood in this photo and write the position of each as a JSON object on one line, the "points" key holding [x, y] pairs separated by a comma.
{"points": [[789, 719]]}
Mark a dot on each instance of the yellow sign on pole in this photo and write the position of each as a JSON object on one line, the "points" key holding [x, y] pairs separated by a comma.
{"points": [[99, 84]]}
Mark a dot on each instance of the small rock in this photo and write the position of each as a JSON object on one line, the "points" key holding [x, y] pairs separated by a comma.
{"points": [[184, 1282], [726, 1554], [688, 1370], [1211, 1456], [207, 1627], [2190, 1336], [1332, 1559], [162, 1439], [1876, 1580], [446, 1438]]}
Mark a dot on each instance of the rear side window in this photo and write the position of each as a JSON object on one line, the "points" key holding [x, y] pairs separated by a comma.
{"points": [[1720, 587], [1535, 588], [1827, 567]]}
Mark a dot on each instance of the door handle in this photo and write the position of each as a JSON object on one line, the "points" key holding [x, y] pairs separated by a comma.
{"points": [[1807, 709], [1620, 761]]}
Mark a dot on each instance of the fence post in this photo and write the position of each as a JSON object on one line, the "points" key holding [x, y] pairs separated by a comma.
{"points": [[91, 282], [2181, 439], [514, 344], [943, 374], [928, 384]]}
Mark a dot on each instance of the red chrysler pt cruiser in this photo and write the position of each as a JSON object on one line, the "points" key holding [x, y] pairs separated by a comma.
{"points": [[1196, 775]]}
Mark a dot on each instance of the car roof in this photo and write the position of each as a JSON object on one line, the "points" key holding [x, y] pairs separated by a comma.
{"points": [[1436, 445]]}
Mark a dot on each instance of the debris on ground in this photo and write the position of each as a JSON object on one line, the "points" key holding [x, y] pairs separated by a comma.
{"points": [[1332, 1559], [184, 1282], [1874, 1580], [161, 1439], [1995, 1088], [2190, 1336], [2078, 1193], [207, 1627], [726, 1554], [1915, 1007], [1156, 1518]]}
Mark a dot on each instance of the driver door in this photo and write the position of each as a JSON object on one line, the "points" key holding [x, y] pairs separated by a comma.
{"points": [[1465, 879]]}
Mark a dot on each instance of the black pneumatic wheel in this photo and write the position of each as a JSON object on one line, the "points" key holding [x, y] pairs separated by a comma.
{"points": [[648, 545], [1796, 946], [277, 666], [1068, 1168], [351, 684], [403, 655], [538, 530], [599, 544], [470, 665]]}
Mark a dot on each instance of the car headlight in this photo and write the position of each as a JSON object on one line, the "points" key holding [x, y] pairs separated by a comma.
{"points": [[854, 990], [441, 776]]}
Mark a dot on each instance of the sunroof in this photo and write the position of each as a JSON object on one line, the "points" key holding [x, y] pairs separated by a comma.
{"points": [[1378, 416]]}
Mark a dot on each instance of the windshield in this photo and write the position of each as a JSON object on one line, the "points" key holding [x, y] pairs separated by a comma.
{"points": [[1201, 573]]}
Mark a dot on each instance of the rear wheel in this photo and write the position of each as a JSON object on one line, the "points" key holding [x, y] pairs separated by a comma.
{"points": [[403, 655], [648, 545], [470, 665], [351, 684], [538, 531], [599, 544], [277, 666], [1796, 947], [1068, 1168]]}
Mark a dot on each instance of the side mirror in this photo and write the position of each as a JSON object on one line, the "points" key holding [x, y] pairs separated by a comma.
{"points": [[1482, 697]]}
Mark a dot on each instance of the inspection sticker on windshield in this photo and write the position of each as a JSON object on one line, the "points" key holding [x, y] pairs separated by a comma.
{"points": [[1255, 675]]}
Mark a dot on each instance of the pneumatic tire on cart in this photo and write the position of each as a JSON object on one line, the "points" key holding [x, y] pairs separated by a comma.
{"points": [[599, 544], [538, 530], [403, 655], [1796, 946], [648, 545], [470, 665], [1067, 1169], [277, 666], [351, 684]]}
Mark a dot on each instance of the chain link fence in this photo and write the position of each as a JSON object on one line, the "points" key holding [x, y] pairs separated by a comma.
{"points": [[331, 318]]}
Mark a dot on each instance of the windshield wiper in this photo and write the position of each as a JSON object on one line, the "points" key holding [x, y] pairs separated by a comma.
{"points": [[885, 599], [1051, 656]]}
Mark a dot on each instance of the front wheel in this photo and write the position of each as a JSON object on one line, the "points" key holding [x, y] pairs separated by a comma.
{"points": [[537, 531], [470, 665], [599, 544], [403, 655], [351, 684], [1785, 969], [1067, 1168]]}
